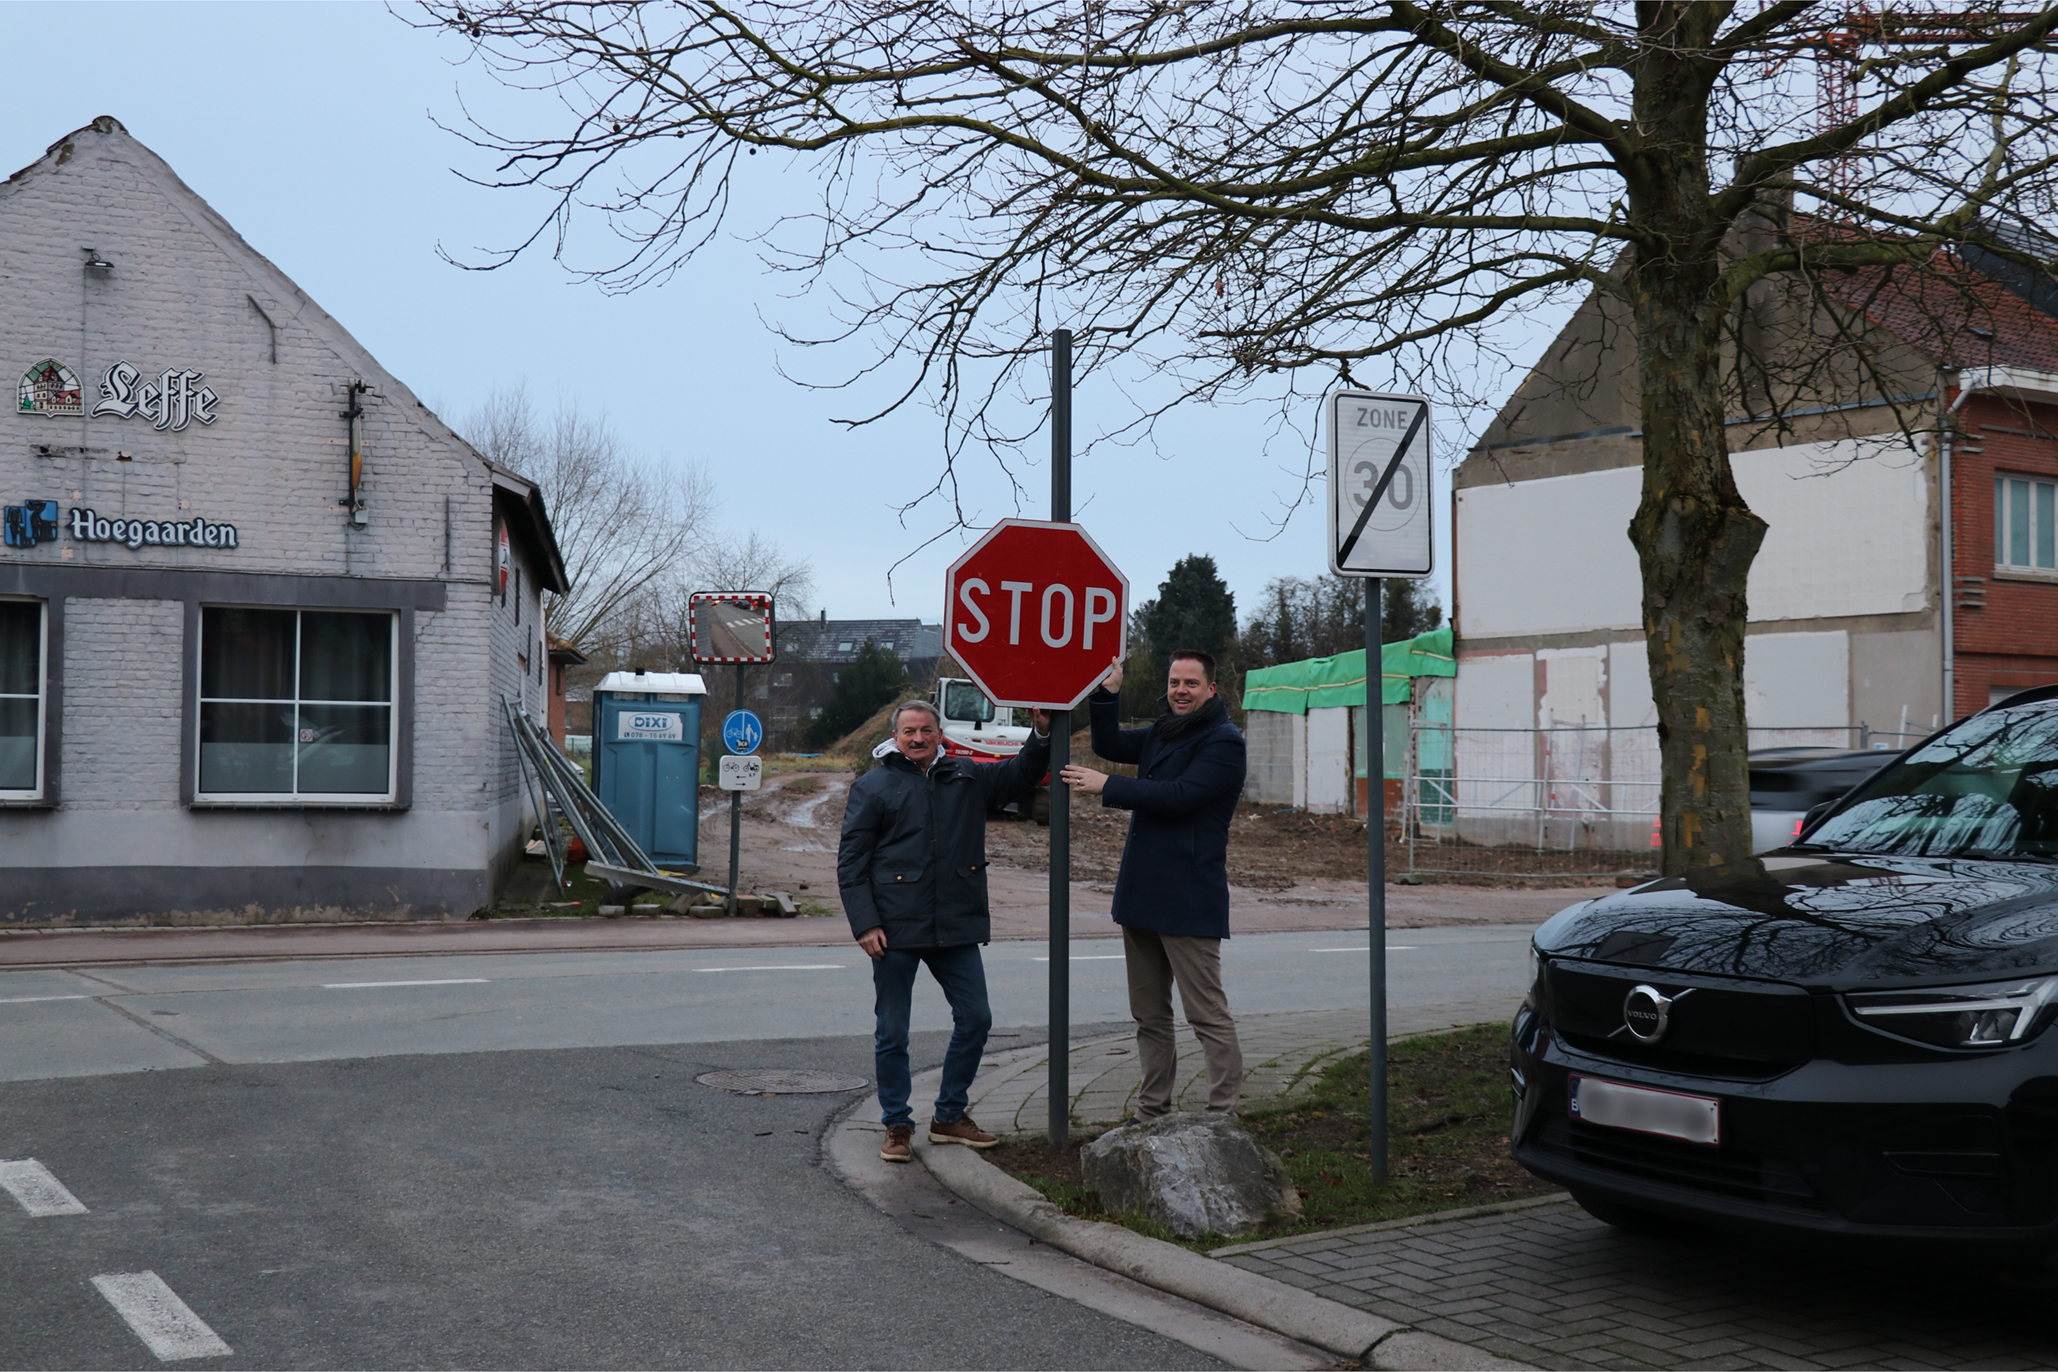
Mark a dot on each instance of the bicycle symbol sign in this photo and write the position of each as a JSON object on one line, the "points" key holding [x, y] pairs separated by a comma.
{"points": [[742, 731]]}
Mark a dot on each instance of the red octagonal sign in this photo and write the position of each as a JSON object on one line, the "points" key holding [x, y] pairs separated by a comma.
{"points": [[1036, 613]]}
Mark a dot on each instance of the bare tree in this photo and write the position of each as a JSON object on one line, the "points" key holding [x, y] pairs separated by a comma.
{"points": [[625, 524], [1238, 190]]}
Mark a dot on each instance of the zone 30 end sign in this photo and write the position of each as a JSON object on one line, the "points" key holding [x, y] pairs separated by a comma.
{"points": [[1379, 505]]}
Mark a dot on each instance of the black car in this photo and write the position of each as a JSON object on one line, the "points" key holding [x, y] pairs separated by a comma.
{"points": [[1849, 1035]]}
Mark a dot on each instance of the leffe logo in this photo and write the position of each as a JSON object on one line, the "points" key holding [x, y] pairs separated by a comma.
{"points": [[169, 401]]}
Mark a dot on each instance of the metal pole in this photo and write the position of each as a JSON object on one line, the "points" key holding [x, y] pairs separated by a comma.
{"points": [[1375, 869], [735, 813], [1060, 754]]}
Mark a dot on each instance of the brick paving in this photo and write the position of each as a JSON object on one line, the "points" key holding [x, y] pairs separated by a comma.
{"points": [[1539, 1282], [1545, 1284]]}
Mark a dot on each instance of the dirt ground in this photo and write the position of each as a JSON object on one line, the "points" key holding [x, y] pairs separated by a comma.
{"points": [[1288, 870]]}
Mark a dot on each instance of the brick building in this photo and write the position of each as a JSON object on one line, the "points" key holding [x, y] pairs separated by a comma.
{"points": [[259, 607], [1910, 574]]}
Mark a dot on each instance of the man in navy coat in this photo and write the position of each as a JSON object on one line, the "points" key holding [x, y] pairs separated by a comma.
{"points": [[912, 872], [1172, 896]]}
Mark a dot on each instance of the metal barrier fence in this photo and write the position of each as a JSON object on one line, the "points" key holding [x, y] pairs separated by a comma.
{"points": [[1553, 802]]}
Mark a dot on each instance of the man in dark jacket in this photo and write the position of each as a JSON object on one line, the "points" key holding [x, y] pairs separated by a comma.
{"points": [[1172, 896], [912, 873]]}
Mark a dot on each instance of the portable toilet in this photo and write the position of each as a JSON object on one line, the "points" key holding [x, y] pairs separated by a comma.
{"points": [[646, 760]]}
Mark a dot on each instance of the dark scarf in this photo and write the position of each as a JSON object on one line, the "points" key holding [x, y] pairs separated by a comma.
{"points": [[1171, 726]]}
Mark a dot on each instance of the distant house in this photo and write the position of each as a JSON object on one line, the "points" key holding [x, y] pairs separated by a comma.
{"points": [[812, 651]]}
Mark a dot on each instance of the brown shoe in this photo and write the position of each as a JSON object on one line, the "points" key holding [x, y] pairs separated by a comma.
{"points": [[899, 1145], [962, 1130]]}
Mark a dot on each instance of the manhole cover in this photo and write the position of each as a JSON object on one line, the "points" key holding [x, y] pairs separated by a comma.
{"points": [[774, 1081]]}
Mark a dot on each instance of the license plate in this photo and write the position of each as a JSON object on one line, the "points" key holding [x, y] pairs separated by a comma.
{"points": [[1672, 1114]]}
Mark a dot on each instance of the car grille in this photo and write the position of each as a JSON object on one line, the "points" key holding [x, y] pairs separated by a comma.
{"points": [[1759, 1177], [1739, 1030]]}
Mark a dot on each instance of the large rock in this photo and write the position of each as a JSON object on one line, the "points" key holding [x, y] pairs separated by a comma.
{"points": [[1194, 1174]]}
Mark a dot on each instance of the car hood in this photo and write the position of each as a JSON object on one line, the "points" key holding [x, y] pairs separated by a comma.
{"points": [[1837, 921]]}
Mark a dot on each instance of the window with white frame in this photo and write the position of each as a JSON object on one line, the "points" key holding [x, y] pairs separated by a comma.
{"points": [[296, 705], [2025, 530], [21, 699]]}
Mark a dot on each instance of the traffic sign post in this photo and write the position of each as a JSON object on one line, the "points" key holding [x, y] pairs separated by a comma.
{"points": [[736, 627], [1379, 526], [1036, 613]]}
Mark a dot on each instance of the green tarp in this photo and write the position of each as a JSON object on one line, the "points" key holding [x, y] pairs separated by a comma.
{"points": [[1294, 688]]}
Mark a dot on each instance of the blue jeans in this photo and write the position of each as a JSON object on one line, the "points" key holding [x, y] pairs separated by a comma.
{"points": [[963, 978]]}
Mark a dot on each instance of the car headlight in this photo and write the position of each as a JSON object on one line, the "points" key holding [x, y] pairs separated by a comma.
{"points": [[1535, 971], [1992, 1014]]}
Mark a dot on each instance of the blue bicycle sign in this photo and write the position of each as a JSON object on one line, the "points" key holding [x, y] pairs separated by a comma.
{"points": [[742, 731]]}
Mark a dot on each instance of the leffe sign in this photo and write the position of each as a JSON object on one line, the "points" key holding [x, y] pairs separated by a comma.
{"points": [[170, 400]]}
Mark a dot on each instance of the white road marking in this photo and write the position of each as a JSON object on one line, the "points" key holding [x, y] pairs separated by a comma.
{"points": [[441, 981], [160, 1319], [39, 1192], [1090, 957], [24, 1000], [781, 967], [1362, 948]]}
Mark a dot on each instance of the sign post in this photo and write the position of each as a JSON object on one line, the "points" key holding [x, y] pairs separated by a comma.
{"points": [[1379, 527], [735, 627], [1058, 1084], [1036, 613]]}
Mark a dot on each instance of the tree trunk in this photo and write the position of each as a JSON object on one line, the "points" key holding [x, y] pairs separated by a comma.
{"points": [[1695, 538]]}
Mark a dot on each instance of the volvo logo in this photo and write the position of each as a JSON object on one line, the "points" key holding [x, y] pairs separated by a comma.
{"points": [[1647, 1013]]}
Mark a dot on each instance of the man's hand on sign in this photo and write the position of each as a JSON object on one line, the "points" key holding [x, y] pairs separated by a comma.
{"points": [[1112, 682], [1041, 719], [1084, 780], [873, 941]]}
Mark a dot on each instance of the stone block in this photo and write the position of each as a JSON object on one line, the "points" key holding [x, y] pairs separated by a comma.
{"points": [[1195, 1174]]}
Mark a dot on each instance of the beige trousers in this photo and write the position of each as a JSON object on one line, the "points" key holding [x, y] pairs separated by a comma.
{"points": [[1156, 962]]}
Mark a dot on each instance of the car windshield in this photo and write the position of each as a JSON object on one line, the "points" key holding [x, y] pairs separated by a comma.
{"points": [[963, 700], [1987, 787]]}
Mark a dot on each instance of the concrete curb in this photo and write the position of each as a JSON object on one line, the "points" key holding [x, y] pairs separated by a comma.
{"points": [[1329, 1325]]}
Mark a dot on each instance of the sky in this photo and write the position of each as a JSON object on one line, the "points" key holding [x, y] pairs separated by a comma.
{"points": [[313, 128]]}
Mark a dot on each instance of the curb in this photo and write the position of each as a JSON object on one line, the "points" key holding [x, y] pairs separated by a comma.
{"points": [[1330, 1325]]}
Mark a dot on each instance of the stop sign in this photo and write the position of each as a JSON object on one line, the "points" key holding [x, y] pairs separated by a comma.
{"points": [[1035, 613]]}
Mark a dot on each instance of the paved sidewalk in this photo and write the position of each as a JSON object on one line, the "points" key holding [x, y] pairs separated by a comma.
{"points": [[1279, 1052], [1541, 1283], [1546, 1285]]}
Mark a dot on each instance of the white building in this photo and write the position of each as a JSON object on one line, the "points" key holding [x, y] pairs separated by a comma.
{"points": [[253, 652]]}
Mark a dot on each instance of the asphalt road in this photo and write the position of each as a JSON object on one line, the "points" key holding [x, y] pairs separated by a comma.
{"points": [[505, 1160], [75, 1022], [581, 1208]]}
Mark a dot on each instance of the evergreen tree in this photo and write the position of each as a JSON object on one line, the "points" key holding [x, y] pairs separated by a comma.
{"points": [[1323, 616], [1194, 608], [863, 684]]}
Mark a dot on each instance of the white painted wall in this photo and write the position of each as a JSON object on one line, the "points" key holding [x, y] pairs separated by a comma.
{"points": [[1849, 529], [1328, 777]]}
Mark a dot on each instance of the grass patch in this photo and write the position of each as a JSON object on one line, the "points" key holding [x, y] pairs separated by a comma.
{"points": [[1449, 1111]]}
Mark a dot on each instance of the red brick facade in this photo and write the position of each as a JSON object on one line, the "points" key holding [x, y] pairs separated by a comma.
{"points": [[2006, 624]]}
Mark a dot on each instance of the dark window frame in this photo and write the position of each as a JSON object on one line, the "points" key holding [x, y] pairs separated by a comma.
{"points": [[296, 799], [50, 730]]}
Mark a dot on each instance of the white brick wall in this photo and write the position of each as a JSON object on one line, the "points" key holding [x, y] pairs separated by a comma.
{"points": [[186, 292]]}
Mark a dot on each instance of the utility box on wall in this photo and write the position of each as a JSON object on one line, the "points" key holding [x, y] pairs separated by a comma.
{"points": [[646, 760]]}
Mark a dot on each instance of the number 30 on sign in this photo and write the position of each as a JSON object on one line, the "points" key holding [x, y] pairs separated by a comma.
{"points": [[1379, 478]]}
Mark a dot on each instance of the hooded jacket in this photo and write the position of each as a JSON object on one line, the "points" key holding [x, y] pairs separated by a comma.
{"points": [[913, 855], [1175, 865]]}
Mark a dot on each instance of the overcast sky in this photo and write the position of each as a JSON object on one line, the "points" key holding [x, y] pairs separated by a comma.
{"points": [[310, 127]]}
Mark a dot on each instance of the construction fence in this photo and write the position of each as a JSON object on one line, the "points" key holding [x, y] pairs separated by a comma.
{"points": [[1550, 802]]}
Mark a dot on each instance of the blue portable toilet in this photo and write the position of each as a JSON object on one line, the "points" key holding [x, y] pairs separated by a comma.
{"points": [[646, 760]]}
